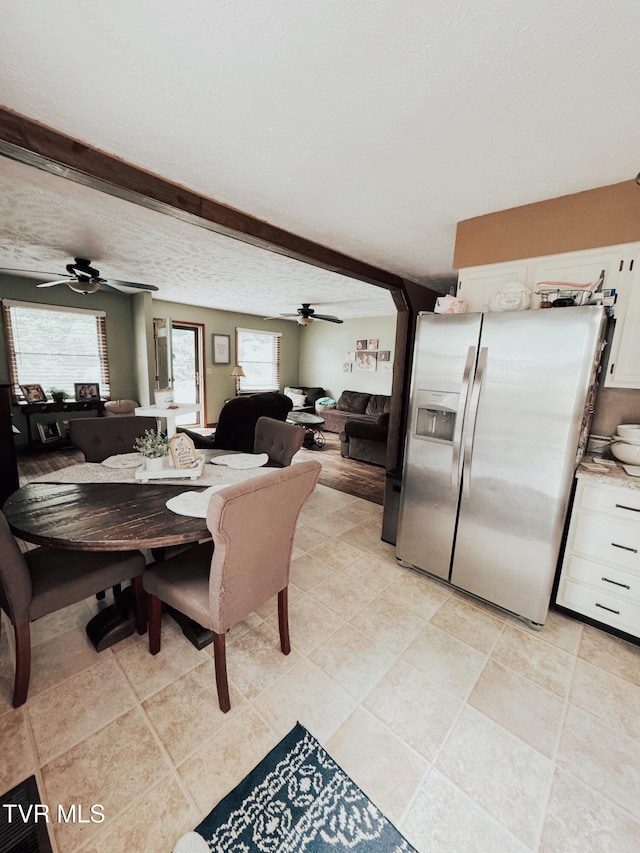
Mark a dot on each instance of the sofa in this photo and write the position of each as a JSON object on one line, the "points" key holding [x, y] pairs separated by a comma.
{"points": [[366, 441], [310, 393], [354, 404]]}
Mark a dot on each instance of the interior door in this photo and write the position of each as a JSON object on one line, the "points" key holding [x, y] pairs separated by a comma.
{"points": [[187, 366]]}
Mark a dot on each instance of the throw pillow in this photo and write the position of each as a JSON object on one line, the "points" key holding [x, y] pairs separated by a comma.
{"points": [[294, 392], [326, 402], [298, 400]]}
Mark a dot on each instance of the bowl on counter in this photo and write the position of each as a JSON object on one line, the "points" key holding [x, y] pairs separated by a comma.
{"points": [[629, 453], [629, 432]]}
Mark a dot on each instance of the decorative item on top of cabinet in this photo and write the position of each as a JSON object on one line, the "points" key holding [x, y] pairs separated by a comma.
{"points": [[600, 575], [621, 267]]}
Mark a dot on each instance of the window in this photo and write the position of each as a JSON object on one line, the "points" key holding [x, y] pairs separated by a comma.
{"points": [[258, 353], [55, 347]]}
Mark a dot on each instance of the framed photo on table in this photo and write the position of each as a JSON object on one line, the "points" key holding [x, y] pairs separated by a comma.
{"points": [[221, 349], [49, 431], [33, 393], [86, 391]]}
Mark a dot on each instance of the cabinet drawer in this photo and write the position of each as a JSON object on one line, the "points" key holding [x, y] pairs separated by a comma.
{"points": [[604, 539], [611, 611], [609, 580], [623, 503]]}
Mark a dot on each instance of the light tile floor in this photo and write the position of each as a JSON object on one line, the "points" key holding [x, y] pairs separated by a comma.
{"points": [[469, 730]]}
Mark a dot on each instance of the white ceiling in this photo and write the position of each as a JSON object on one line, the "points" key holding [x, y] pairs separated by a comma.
{"points": [[370, 127]]}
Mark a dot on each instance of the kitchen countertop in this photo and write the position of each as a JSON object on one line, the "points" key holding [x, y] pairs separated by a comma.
{"points": [[609, 475]]}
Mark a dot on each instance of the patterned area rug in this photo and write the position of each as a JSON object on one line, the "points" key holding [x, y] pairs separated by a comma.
{"points": [[297, 799]]}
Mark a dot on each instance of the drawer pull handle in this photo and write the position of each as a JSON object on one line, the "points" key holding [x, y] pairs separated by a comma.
{"points": [[630, 508], [616, 583], [624, 547], [610, 609]]}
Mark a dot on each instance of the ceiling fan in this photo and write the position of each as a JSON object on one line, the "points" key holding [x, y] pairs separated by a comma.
{"points": [[85, 279], [306, 315]]}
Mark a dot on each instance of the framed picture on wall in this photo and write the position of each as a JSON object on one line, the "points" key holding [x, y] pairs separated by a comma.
{"points": [[221, 349], [372, 343], [384, 355], [346, 366], [366, 361]]}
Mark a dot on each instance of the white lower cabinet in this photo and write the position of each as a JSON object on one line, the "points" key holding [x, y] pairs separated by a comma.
{"points": [[600, 575]]}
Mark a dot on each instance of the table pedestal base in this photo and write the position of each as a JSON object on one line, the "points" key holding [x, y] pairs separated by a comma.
{"points": [[193, 631], [114, 622]]}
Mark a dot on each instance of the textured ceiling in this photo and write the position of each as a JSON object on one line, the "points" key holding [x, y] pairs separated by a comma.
{"points": [[45, 221], [370, 127]]}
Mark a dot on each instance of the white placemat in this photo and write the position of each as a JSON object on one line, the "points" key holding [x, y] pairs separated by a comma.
{"points": [[194, 504], [123, 460], [242, 461]]}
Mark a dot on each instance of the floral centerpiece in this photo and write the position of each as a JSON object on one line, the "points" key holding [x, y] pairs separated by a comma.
{"points": [[152, 445]]}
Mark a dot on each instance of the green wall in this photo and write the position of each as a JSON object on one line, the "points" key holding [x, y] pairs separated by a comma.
{"points": [[219, 384], [323, 351], [129, 320], [119, 322]]}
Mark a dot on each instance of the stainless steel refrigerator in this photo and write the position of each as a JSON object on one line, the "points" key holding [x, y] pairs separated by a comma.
{"points": [[498, 415]]}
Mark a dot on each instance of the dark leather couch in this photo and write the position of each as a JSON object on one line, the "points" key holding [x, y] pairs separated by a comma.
{"points": [[237, 421], [312, 393], [366, 440], [354, 404]]}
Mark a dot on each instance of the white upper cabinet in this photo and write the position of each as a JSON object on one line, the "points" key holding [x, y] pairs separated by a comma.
{"points": [[623, 368], [621, 268], [476, 284]]}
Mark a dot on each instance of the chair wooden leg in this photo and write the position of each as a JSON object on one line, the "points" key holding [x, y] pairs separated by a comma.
{"points": [[283, 620], [220, 660], [22, 634], [154, 611], [140, 604]]}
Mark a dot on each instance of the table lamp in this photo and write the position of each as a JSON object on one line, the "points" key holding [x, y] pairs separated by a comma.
{"points": [[237, 372]]}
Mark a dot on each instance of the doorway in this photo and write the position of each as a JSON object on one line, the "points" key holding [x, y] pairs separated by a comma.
{"points": [[187, 363]]}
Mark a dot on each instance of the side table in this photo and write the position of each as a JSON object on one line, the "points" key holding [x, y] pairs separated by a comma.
{"points": [[312, 425], [30, 409]]}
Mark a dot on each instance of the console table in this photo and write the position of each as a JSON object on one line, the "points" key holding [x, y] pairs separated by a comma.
{"points": [[30, 409]]}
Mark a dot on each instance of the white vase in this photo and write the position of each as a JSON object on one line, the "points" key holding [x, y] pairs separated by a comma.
{"points": [[154, 464]]}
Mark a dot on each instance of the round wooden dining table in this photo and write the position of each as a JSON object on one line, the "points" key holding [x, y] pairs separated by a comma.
{"points": [[100, 516], [107, 517]]}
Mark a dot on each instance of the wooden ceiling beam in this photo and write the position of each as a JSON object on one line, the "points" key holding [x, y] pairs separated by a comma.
{"points": [[57, 148]]}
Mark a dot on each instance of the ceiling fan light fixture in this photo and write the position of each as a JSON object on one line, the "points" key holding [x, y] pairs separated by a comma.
{"points": [[305, 321], [84, 287]]}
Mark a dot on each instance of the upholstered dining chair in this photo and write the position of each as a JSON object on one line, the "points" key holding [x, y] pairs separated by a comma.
{"points": [[99, 438], [277, 439], [252, 525], [44, 580]]}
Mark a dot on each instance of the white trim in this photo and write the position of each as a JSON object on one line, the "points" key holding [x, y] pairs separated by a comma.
{"points": [[44, 306], [259, 332]]}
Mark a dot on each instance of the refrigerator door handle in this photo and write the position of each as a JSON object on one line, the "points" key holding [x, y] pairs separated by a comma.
{"points": [[456, 464], [470, 431]]}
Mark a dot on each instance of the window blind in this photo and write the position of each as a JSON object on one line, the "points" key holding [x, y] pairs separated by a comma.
{"points": [[55, 347], [258, 353]]}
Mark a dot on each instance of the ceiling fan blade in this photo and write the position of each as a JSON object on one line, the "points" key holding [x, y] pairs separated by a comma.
{"points": [[104, 285], [328, 317], [53, 283], [113, 281]]}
